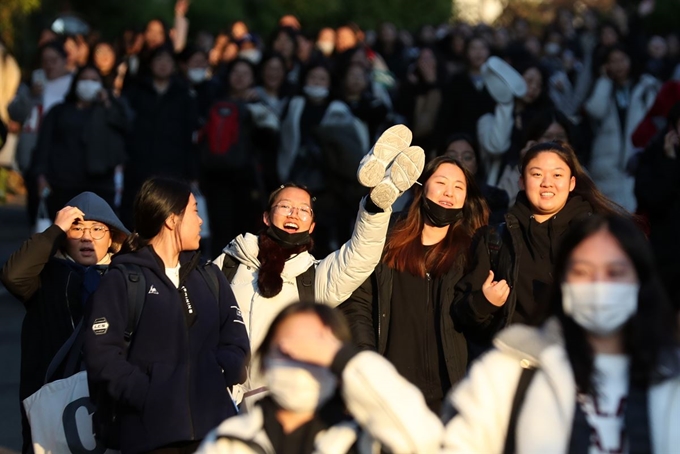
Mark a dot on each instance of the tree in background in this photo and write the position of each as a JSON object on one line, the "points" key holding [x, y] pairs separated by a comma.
{"points": [[12, 11]]}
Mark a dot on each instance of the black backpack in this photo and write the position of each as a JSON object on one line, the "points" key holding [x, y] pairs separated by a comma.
{"points": [[105, 421], [305, 281]]}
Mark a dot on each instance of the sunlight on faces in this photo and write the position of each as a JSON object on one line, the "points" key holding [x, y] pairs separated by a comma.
{"points": [[307, 323], [154, 35], [86, 250], [462, 151], [104, 57], [600, 258], [547, 181], [291, 223], [447, 186], [189, 226]]}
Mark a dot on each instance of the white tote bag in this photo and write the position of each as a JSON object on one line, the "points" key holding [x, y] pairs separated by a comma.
{"points": [[43, 221], [60, 415]]}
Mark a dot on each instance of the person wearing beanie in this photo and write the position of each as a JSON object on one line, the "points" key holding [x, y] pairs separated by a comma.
{"points": [[53, 274]]}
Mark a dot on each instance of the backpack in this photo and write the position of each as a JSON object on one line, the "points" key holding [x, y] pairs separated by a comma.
{"points": [[224, 138], [305, 281], [105, 422]]}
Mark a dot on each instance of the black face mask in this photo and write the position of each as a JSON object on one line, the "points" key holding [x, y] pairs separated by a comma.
{"points": [[438, 215], [287, 240]]}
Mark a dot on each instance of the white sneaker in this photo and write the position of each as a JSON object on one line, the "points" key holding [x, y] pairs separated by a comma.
{"points": [[401, 175], [374, 165]]}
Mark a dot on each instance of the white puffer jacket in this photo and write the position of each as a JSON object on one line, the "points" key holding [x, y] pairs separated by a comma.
{"points": [[388, 408], [483, 401], [336, 277]]}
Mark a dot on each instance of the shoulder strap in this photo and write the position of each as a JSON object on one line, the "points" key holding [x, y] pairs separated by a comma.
{"points": [[229, 267], [494, 243], [136, 290], [305, 285], [522, 387], [62, 353], [210, 277]]}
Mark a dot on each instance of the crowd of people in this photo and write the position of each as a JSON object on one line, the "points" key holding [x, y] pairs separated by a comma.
{"points": [[490, 211]]}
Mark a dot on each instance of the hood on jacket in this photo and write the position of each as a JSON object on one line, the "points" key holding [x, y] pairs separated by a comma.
{"points": [[244, 248], [551, 231], [146, 257]]}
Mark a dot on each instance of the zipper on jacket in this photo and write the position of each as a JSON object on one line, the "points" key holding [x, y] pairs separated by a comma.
{"points": [[188, 357], [68, 303]]}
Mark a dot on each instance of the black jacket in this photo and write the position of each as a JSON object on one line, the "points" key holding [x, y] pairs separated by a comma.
{"points": [[368, 313], [473, 314], [51, 290], [162, 133], [173, 384], [657, 188]]}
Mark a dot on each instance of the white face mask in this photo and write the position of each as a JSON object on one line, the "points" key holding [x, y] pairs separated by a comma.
{"points": [[316, 92], [326, 47], [197, 75], [252, 55], [87, 90], [299, 387], [600, 307]]}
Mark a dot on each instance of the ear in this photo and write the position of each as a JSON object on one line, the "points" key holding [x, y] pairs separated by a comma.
{"points": [[265, 218], [171, 222], [311, 227], [572, 183], [521, 183]]}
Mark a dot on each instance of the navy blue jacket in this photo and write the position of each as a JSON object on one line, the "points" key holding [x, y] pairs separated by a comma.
{"points": [[173, 384]]}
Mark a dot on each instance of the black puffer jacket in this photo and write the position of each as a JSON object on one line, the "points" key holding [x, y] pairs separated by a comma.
{"points": [[473, 314]]}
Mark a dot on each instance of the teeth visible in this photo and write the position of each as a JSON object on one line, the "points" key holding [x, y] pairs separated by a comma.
{"points": [[291, 225], [547, 193]]}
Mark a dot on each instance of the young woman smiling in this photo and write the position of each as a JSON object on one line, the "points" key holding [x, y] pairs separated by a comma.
{"points": [[509, 285]]}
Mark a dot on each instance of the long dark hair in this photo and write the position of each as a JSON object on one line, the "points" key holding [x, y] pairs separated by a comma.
{"points": [[271, 256], [329, 317], [403, 250], [648, 334], [158, 199], [585, 187]]}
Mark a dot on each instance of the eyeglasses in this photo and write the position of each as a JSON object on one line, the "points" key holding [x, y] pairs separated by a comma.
{"points": [[284, 209], [97, 232]]}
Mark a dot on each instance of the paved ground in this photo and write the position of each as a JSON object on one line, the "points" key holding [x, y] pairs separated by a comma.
{"points": [[14, 230]]}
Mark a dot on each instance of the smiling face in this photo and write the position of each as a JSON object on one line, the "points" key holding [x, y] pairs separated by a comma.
{"points": [[190, 226], [82, 247], [447, 186], [547, 181], [288, 210]]}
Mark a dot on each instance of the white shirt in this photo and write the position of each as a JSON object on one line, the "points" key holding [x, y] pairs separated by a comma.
{"points": [[605, 411], [173, 274], [55, 91]]}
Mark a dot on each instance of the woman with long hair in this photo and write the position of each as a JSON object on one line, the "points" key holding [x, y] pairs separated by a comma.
{"points": [[403, 310], [326, 394], [190, 343], [511, 264], [602, 374]]}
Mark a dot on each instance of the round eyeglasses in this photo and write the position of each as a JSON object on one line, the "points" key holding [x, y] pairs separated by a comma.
{"points": [[284, 209], [97, 232]]}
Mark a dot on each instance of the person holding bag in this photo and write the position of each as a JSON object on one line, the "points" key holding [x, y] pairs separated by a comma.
{"points": [[53, 274]]}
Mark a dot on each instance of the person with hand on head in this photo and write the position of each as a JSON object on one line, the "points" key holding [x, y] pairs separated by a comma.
{"points": [[190, 344], [402, 310], [601, 374], [511, 266], [53, 274], [81, 145], [274, 268], [326, 395]]}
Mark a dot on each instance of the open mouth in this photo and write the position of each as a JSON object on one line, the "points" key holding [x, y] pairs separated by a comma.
{"points": [[291, 227], [546, 195], [445, 204], [86, 250]]}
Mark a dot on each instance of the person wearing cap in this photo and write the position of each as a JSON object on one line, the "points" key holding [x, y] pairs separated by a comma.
{"points": [[53, 274]]}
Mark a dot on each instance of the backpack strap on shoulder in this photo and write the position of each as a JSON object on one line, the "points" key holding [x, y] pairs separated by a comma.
{"points": [[494, 243], [522, 387], [136, 296], [305, 285], [229, 267], [208, 273]]}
